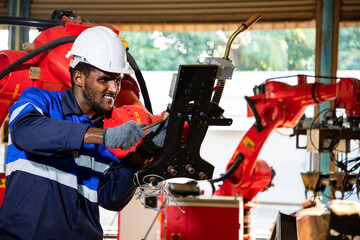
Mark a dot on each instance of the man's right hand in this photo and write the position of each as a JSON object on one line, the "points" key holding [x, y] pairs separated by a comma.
{"points": [[155, 136], [124, 136]]}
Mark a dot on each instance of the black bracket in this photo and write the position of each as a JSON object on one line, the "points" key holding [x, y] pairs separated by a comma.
{"points": [[191, 103]]}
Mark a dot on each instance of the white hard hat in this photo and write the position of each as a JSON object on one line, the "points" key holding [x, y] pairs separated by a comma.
{"points": [[102, 48]]}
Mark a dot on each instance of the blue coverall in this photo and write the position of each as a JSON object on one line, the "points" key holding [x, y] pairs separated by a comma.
{"points": [[54, 183]]}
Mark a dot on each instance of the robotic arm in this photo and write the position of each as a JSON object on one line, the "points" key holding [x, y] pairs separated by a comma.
{"points": [[42, 64], [279, 105]]}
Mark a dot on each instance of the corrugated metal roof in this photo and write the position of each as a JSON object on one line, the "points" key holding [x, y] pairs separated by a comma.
{"points": [[178, 11], [3, 8], [180, 15]]}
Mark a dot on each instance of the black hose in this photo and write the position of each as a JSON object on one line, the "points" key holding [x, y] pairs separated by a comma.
{"points": [[141, 81], [69, 39], [31, 22], [251, 102], [36, 52], [239, 159]]}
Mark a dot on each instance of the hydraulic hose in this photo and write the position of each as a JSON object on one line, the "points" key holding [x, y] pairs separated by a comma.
{"points": [[31, 22], [239, 159], [251, 102], [36, 52], [141, 81], [57, 42]]}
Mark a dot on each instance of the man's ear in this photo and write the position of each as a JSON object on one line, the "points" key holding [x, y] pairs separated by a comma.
{"points": [[78, 78]]}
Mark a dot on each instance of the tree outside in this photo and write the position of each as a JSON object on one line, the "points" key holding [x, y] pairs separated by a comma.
{"points": [[276, 50], [349, 49]]}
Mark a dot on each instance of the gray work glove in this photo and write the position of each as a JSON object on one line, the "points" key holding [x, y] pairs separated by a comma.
{"points": [[124, 136], [157, 136]]}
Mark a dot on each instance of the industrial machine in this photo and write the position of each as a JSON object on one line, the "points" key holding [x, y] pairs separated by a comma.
{"points": [[41, 64], [276, 104], [196, 95]]}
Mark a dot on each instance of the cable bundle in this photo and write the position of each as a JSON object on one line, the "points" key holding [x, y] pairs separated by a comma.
{"points": [[154, 189]]}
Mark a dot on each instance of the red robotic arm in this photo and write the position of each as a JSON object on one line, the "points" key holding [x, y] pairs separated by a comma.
{"points": [[43, 64], [46, 69], [279, 105]]}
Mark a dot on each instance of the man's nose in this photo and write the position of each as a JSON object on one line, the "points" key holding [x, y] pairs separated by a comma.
{"points": [[113, 86]]}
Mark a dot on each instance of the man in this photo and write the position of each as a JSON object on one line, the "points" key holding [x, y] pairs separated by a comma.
{"points": [[58, 166]]}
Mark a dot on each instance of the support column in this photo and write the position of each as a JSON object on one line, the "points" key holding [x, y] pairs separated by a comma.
{"points": [[18, 34], [327, 35]]}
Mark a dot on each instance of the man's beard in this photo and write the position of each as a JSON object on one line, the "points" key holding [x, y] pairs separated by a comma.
{"points": [[90, 97]]}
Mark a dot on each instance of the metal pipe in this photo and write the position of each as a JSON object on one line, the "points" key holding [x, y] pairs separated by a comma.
{"points": [[221, 82], [253, 19]]}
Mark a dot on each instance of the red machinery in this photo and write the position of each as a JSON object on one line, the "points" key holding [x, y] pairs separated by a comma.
{"points": [[51, 67], [274, 105], [279, 105], [43, 65]]}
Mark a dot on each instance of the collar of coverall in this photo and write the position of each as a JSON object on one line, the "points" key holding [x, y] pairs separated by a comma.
{"points": [[70, 106]]}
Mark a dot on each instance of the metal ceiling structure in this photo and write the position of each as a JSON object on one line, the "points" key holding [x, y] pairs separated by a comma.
{"points": [[183, 11], [184, 15]]}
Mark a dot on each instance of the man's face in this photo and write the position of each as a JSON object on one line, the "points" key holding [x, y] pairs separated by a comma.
{"points": [[100, 90]]}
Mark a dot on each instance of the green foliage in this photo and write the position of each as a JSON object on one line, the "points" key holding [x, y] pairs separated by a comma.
{"points": [[278, 50], [166, 51], [260, 50], [349, 49]]}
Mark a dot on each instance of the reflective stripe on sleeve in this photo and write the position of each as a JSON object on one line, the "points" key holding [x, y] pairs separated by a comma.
{"points": [[89, 162], [18, 110], [9, 139], [51, 173]]}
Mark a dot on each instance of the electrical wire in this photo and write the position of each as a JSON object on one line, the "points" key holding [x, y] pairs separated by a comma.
{"points": [[345, 164], [282, 134], [333, 145], [140, 80], [334, 142], [148, 189], [239, 158]]}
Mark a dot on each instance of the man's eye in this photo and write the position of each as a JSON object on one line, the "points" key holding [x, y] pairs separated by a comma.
{"points": [[118, 83]]}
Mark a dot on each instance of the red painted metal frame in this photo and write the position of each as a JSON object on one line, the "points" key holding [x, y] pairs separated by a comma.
{"points": [[281, 106], [55, 76], [54, 66]]}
